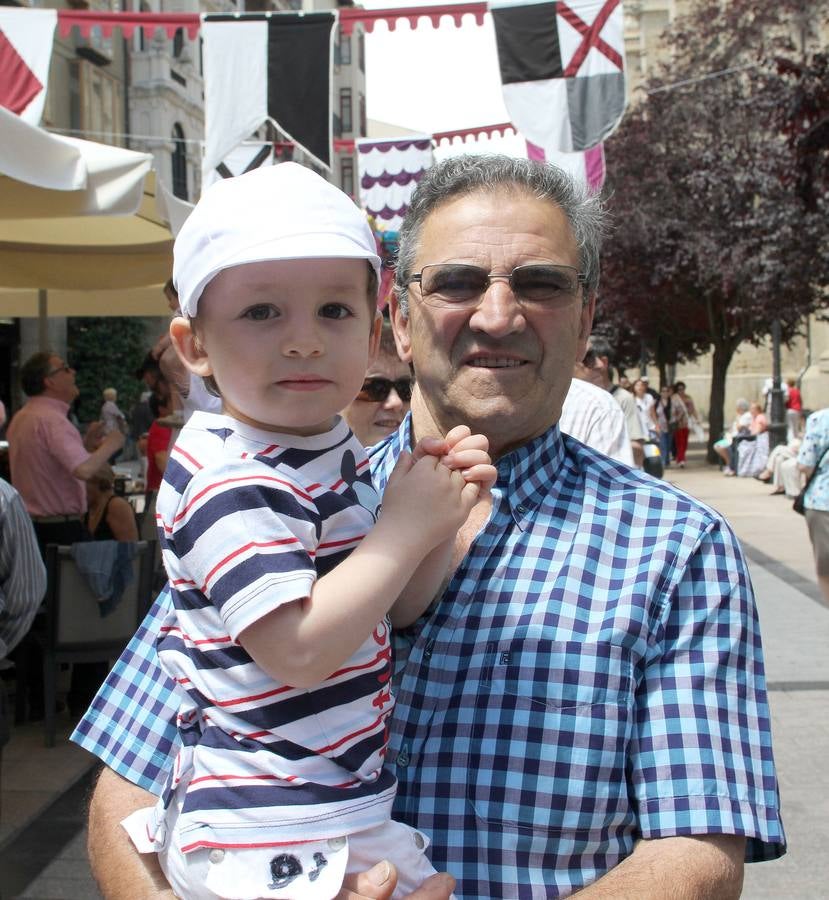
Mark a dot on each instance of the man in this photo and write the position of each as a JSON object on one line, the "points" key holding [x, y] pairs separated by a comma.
{"points": [[22, 572], [50, 464], [566, 716], [48, 458], [22, 583], [596, 368], [592, 416]]}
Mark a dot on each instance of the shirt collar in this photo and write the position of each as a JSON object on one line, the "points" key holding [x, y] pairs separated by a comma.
{"points": [[60, 405], [526, 475]]}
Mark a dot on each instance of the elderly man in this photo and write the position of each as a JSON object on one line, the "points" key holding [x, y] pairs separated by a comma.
{"points": [[48, 458], [584, 708], [596, 368]]}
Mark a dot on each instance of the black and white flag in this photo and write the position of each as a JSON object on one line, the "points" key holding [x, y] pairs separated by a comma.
{"points": [[260, 67]]}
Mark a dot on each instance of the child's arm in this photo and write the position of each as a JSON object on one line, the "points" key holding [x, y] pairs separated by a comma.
{"points": [[466, 453], [302, 642]]}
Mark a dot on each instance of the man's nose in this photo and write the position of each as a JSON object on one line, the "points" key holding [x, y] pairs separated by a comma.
{"points": [[499, 312]]}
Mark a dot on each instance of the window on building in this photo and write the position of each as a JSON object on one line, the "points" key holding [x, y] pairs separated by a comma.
{"points": [[347, 176], [143, 7], [361, 51], [363, 117], [345, 109], [178, 42], [179, 163], [345, 49]]}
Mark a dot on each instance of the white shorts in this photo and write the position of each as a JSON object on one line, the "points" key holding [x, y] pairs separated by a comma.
{"points": [[312, 870]]}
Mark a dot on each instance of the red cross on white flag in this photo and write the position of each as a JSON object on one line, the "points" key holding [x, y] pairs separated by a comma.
{"points": [[26, 37]]}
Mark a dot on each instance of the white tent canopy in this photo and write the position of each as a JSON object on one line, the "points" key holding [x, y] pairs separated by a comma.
{"points": [[77, 216]]}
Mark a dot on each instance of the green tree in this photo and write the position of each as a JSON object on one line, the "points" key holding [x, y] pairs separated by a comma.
{"points": [[106, 351], [716, 238]]}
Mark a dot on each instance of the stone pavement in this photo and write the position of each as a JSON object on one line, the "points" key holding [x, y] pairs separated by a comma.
{"points": [[42, 852]]}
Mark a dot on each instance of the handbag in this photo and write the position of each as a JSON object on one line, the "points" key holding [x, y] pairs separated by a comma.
{"points": [[799, 505]]}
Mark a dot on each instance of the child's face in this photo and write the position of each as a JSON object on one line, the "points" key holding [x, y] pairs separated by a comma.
{"points": [[287, 341]]}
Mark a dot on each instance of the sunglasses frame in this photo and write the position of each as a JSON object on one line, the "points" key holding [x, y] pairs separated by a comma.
{"points": [[436, 300], [388, 383]]}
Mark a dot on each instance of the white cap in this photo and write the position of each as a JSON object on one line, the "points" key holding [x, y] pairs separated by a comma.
{"points": [[277, 212]]}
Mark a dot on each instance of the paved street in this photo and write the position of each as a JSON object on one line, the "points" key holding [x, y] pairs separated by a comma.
{"points": [[42, 847]]}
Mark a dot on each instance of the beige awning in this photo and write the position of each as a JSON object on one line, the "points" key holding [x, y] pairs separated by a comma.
{"points": [[141, 301], [77, 216]]}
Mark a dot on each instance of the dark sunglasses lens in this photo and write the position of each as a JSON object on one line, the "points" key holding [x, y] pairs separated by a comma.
{"points": [[543, 283], [377, 390], [454, 283]]}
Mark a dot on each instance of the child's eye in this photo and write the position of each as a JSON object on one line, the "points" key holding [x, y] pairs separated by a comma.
{"points": [[260, 312], [334, 311]]}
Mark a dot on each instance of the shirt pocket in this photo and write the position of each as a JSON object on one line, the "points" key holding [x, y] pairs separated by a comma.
{"points": [[551, 726]]}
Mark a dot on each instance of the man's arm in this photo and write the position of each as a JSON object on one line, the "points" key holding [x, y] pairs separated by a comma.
{"points": [[22, 573], [708, 867], [121, 871], [112, 443]]}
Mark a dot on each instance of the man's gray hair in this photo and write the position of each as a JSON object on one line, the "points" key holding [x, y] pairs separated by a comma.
{"points": [[462, 175]]}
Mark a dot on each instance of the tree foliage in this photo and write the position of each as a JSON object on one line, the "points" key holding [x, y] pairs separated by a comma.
{"points": [[718, 188], [106, 352]]}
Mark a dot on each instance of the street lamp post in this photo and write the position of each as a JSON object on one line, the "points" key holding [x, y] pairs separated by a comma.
{"points": [[777, 427]]}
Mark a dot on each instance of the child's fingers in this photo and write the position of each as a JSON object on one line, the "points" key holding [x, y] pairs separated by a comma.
{"points": [[458, 433], [484, 475], [429, 447], [470, 442], [465, 459]]}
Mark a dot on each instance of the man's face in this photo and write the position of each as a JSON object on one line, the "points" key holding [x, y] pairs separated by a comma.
{"points": [[500, 368], [593, 368], [60, 381]]}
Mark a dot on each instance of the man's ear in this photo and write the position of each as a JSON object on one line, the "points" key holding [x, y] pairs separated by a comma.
{"points": [[188, 347], [586, 324], [400, 327]]}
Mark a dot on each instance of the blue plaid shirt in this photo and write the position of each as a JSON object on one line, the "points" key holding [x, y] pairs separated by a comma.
{"points": [[592, 675]]}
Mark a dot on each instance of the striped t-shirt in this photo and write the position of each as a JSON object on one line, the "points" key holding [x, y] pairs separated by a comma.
{"points": [[247, 521]]}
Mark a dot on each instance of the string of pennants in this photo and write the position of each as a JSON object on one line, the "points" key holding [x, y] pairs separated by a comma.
{"points": [[84, 20], [561, 65]]}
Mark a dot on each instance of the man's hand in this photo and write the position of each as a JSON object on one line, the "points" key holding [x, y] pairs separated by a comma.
{"points": [[380, 881]]}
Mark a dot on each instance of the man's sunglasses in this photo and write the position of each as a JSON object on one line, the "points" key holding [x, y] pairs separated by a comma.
{"points": [[458, 285], [377, 390]]}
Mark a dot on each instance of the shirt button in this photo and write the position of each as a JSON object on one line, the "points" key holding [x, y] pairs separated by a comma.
{"points": [[216, 855], [336, 843], [521, 509], [403, 757]]}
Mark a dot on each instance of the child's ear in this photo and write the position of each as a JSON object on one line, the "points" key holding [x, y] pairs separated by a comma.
{"points": [[189, 348], [374, 338]]}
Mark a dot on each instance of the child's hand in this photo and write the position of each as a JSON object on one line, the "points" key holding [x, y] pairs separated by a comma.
{"points": [[463, 451], [428, 499]]}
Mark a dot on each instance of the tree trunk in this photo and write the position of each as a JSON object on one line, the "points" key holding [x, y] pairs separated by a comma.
{"points": [[723, 353]]}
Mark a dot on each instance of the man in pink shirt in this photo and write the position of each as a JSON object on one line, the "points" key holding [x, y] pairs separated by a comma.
{"points": [[49, 460], [49, 464]]}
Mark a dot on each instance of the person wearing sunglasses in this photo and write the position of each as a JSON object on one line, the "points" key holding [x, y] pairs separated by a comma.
{"points": [[567, 719], [384, 400]]}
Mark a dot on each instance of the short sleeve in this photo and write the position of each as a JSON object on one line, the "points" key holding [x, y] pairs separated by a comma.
{"points": [[245, 537], [131, 723], [702, 755]]}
